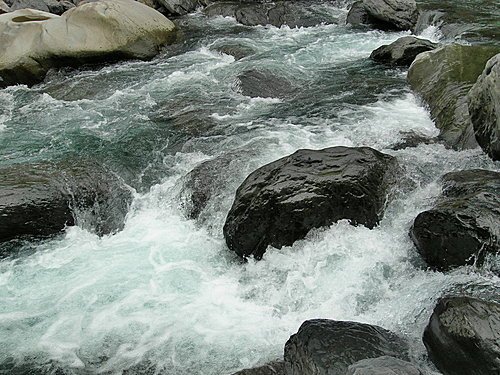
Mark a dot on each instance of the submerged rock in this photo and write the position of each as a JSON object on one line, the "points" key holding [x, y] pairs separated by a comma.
{"points": [[464, 226], [324, 347], [39, 200], [272, 368], [384, 14], [443, 78], [403, 51], [463, 336], [263, 84], [412, 139], [277, 13], [236, 50], [281, 202], [484, 108], [92, 32], [384, 365]]}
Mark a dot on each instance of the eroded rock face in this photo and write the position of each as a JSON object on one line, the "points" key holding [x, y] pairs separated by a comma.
{"points": [[35, 41], [281, 202], [464, 226], [325, 347], [384, 365], [273, 368], [402, 52], [39, 200], [484, 108], [443, 78], [463, 336], [384, 14]]}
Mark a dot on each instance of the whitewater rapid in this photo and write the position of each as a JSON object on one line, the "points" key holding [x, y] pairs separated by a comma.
{"points": [[165, 293]]}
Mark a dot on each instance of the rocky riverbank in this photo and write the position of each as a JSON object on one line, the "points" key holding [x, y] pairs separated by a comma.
{"points": [[273, 205]]}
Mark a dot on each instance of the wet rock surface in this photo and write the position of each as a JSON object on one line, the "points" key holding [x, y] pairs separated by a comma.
{"points": [[384, 14], [384, 365], [463, 336], [464, 225], [323, 347], [443, 78], [484, 108], [402, 52], [281, 202], [272, 368], [40, 200]]}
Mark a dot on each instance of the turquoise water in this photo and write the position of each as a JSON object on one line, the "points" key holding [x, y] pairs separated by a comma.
{"points": [[165, 294]]}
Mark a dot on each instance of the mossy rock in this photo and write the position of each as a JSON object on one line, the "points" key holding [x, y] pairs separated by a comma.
{"points": [[443, 78]]}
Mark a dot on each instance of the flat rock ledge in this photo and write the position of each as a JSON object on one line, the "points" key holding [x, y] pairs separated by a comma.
{"points": [[281, 202], [35, 41]]}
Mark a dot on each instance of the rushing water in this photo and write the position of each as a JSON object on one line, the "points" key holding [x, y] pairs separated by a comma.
{"points": [[165, 294]]}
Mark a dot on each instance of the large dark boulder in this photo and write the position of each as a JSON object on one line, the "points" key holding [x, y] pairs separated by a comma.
{"points": [[281, 202], [463, 336], [272, 368], [484, 108], [443, 78], [384, 14], [278, 13], [263, 84], [464, 225], [40, 200], [384, 365], [402, 52], [325, 347]]}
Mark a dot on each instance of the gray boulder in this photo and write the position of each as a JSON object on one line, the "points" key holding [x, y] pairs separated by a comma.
{"points": [[443, 78], [281, 202], [92, 32], [464, 225], [384, 14], [484, 108], [272, 368], [41, 199], [402, 52], [384, 365], [463, 336], [326, 347]]}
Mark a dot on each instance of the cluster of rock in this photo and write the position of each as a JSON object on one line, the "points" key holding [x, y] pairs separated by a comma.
{"points": [[462, 337]]}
